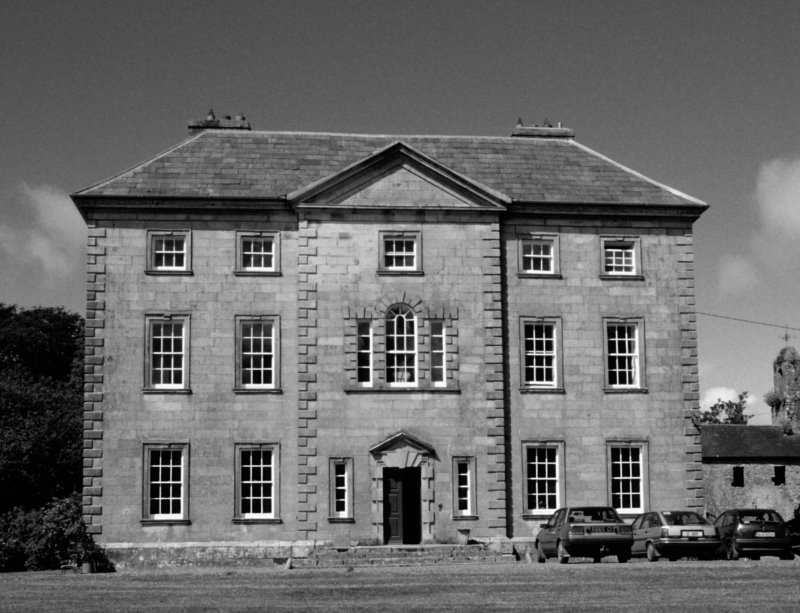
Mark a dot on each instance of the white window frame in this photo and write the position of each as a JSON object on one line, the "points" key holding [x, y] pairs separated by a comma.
{"points": [[622, 359], [464, 487], [540, 474], [528, 257], [387, 251], [406, 354], [340, 472], [242, 485], [620, 256], [242, 268], [624, 484], [438, 375], [241, 356], [154, 237], [365, 343], [540, 356], [165, 482], [155, 355]]}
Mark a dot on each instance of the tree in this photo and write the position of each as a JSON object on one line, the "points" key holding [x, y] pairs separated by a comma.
{"points": [[41, 405], [725, 412]]}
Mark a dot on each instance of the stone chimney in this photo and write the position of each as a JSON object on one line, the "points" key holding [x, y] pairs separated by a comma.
{"points": [[225, 123], [546, 130]]}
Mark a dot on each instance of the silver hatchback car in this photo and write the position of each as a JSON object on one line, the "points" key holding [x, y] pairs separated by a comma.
{"points": [[673, 535]]}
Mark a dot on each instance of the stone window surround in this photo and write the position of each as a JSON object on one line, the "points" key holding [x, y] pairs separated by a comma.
{"points": [[470, 513], [275, 387], [375, 314], [640, 383], [152, 236], [416, 236], [274, 271], [558, 445], [275, 516], [149, 386], [533, 238], [634, 243], [644, 480], [346, 516], [149, 518], [557, 386]]}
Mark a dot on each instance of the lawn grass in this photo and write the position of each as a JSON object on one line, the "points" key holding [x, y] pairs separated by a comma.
{"points": [[639, 586]]}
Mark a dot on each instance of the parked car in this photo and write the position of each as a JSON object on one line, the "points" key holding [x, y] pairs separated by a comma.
{"points": [[793, 529], [673, 535], [591, 532], [754, 533]]}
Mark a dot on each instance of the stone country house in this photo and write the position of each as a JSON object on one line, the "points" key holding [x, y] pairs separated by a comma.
{"points": [[344, 339], [758, 466]]}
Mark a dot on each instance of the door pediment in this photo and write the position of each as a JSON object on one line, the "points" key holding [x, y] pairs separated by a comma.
{"points": [[402, 450]]}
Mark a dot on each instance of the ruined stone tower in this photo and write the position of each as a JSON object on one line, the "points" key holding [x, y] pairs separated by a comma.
{"points": [[785, 399]]}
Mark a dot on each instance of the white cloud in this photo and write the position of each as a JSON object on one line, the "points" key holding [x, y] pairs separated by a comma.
{"points": [[760, 412], [42, 242], [713, 394], [738, 275], [778, 197]]}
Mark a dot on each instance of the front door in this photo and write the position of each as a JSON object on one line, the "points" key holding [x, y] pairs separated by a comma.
{"points": [[402, 512]]}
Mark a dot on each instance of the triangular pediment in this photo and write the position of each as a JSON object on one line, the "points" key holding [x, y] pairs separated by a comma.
{"points": [[403, 442], [399, 177]]}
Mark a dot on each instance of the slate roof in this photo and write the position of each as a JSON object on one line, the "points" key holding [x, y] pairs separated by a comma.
{"points": [[269, 165], [738, 442]]}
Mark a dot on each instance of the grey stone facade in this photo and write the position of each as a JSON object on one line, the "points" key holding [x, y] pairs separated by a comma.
{"points": [[461, 432]]}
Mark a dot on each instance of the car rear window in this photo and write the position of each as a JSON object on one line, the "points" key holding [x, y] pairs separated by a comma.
{"points": [[683, 518], [747, 517], [593, 515]]}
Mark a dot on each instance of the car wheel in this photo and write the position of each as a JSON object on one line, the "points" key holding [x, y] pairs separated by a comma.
{"points": [[597, 559], [540, 557], [622, 558], [731, 552], [563, 556], [652, 553], [787, 555], [755, 558]]}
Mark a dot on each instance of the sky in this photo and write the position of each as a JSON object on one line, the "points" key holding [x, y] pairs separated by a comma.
{"points": [[702, 96]]}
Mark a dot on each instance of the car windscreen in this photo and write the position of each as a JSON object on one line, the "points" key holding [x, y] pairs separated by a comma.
{"points": [[593, 515], [683, 518], [747, 517]]}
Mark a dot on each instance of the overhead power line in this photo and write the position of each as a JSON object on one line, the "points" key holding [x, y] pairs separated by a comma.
{"points": [[748, 321]]}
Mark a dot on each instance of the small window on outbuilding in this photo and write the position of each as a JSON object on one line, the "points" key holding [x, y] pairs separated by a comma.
{"points": [[779, 478], [738, 476]]}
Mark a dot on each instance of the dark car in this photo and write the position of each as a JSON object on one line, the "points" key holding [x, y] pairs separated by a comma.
{"points": [[591, 532], [753, 533], [673, 535]]}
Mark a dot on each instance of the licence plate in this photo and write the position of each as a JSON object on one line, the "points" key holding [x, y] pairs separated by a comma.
{"points": [[692, 533], [766, 535]]}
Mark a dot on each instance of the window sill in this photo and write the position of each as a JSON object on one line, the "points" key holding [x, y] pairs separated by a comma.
{"points": [[539, 275], [166, 522], [169, 273], [341, 520], [464, 517], [625, 390], [400, 273], [185, 391], [385, 389], [542, 390], [257, 520], [538, 516], [604, 277], [257, 273], [246, 391]]}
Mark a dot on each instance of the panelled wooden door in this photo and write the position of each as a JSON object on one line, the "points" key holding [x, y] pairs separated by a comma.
{"points": [[402, 512]]}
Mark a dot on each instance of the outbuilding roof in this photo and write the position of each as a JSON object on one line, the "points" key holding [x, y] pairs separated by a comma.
{"points": [[269, 165], [738, 442]]}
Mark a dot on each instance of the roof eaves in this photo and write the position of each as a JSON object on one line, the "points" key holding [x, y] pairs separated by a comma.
{"points": [[671, 190]]}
